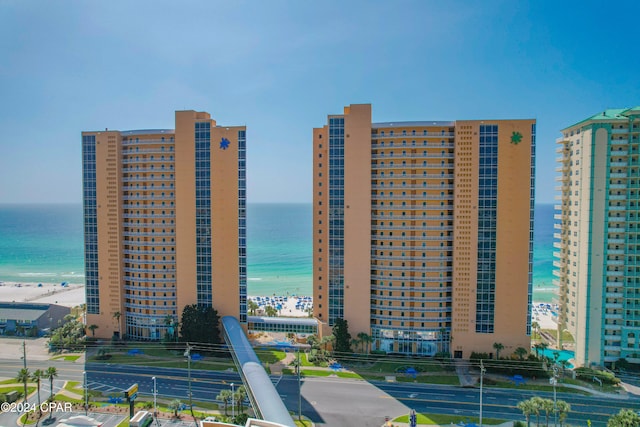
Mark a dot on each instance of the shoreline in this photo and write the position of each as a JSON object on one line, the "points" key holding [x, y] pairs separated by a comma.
{"points": [[290, 305]]}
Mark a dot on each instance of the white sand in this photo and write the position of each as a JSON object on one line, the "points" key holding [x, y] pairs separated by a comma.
{"points": [[543, 316], [70, 296], [292, 307]]}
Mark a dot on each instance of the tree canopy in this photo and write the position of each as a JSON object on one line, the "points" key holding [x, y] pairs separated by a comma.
{"points": [[200, 324], [342, 335]]}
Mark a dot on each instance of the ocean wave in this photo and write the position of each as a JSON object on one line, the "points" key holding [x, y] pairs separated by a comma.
{"points": [[36, 274], [254, 279], [72, 274]]}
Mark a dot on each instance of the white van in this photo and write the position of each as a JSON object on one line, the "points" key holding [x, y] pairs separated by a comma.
{"points": [[141, 419]]}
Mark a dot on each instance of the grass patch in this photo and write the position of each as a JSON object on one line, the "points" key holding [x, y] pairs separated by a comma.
{"points": [[304, 360], [67, 357], [9, 381], [535, 387], [431, 379], [270, 356], [63, 398], [124, 423], [206, 365], [20, 388], [442, 419]]}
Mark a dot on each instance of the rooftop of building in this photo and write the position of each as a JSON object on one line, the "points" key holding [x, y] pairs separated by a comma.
{"points": [[609, 115], [22, 311], [424, 123], [147, 132]]}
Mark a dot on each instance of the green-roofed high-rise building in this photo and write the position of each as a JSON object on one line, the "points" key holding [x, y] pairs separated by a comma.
{"points": [[598, 240]]}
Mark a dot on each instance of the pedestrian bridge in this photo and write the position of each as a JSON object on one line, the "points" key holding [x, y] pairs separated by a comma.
{"points": [[261, 392]]}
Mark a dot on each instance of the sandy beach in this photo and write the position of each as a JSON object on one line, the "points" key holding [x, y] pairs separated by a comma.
{"points": [[68, 296], [289, 306], [73, 295]]}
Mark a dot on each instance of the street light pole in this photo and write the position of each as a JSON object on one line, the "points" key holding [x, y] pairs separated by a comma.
{"points": [[554, 382], [233, 402], [155, 401], [86, 394], [482, 371], [24, 361], [299, 388], [188, 354]]}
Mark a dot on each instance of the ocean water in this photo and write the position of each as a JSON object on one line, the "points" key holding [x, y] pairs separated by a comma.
{"points": [[44, 243]]}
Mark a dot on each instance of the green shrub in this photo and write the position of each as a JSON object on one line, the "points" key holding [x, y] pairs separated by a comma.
{"points": [[587, 374]]}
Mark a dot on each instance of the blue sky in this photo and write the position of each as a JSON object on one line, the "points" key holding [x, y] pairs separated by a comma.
{"points": [[279, 67]]}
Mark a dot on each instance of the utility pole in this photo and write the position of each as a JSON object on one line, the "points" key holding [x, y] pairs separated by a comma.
{"points": [[86, 395], [24, 360], [299, 387], [233, 402], [155, 401], [554, 381], [482, 371], [187, 353]]}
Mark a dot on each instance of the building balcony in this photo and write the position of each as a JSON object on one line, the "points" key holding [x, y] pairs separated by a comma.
{"points": [[164, 148], [378, 177], [376, 238], [377, 217], [415, 269], [433, 155], [614, 262], [411, 197], [618, 131], [617, 175], [412, 136], [145, 234], [617, 197], [145, 160], [411, 279], [416, 228], [614, 294], [407, 167], [169, 179], [611, 241], [623, 141], [415, 258], [614, 273], [412, 187], [146, 216], [145, 252], [617, 187], [167, 141], [398, 208]]}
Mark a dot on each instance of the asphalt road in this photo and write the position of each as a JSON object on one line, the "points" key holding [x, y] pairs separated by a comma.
{"points": [[327, 400]]}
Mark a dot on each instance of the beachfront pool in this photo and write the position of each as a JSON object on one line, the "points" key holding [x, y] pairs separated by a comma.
{"points": [[562, 355]]}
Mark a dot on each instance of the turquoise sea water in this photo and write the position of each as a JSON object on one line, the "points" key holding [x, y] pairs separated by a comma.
{"points": [[44, 243]]}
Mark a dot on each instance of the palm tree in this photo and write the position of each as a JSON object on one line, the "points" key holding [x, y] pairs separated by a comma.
{"points": [[37, 375], [498, 346], [252, 306], [365, 339], [117, 316], [50, 374], [526, 406], [563, 409], [224, 396], [93, 328], [326, 340], [355, 342], [547, 406], [536, 328], [23, 377], [521, 352], [536, 405], [239, 396], [174, 406], [270, 311]]}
